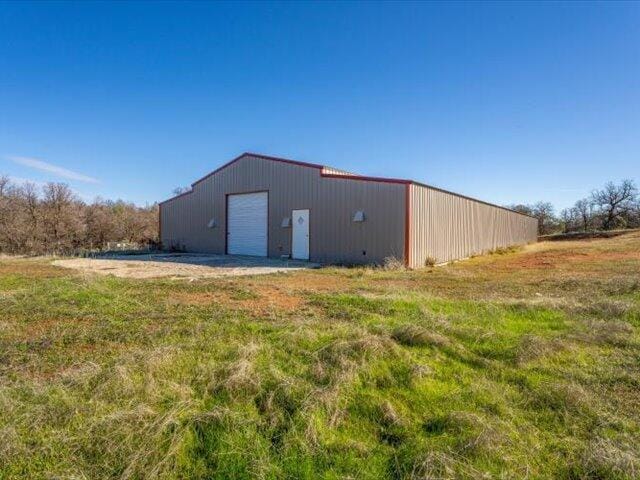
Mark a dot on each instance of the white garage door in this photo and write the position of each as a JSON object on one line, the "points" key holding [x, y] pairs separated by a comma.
{"points": [[247, 224]]}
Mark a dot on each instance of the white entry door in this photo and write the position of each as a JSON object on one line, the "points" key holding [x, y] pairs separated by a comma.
{"points": [[247, 224], [300, 235]]}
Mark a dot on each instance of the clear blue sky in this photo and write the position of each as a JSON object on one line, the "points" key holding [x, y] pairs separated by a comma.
{"points": [[507, 102]]}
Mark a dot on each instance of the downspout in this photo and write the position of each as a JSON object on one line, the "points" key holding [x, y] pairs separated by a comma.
{"points": [[407, 224]]}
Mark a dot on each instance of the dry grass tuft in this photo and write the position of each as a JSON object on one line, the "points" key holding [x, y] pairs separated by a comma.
{"points": [[533, 347], [421, 371], [388, 415], [560, 397], [605, 309], [429, 262], [393, 263], [474, 432], [11, 445], [391, 425], [505, 250], [341, 352], [605, 458], [621, 285], [415, 335], [436, 465], [608, 332], [240, 377]]}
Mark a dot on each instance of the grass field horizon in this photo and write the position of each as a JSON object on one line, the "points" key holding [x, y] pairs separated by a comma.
{"points": [[520, 364]]}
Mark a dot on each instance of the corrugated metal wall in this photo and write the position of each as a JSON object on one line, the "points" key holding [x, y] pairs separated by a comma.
{"points": [[332, 202], [447, 227]]}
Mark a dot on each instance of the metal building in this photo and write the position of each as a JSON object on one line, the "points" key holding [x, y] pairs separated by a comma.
{"points": [[267, 206]]}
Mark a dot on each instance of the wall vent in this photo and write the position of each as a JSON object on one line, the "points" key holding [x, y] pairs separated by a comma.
{"points": [[359, 216]]}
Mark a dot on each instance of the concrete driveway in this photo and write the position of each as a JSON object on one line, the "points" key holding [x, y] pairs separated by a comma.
{"points": [[189, 265]]}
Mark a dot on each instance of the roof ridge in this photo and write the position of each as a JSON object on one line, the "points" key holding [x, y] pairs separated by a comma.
{"points": [[342, 175]]}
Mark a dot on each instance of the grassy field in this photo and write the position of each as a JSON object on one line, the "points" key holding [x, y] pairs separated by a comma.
{"points": [[524, 364]]}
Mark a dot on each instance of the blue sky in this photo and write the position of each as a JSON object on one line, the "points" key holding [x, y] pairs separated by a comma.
{"points": [[508, 102]]}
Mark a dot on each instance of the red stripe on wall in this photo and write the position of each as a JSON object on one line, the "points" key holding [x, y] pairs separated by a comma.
{"points": [[407, 225]]}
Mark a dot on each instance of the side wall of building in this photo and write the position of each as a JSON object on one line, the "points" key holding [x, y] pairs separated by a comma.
{"points": [[332, 202], [445, 226]]}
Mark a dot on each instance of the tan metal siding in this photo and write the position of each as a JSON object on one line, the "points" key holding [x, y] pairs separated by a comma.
{"points": [[334, 237], [445, 226]]}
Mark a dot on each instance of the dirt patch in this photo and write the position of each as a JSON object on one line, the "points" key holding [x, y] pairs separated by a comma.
{"points": [[270, 297], [568, 254], [33, 267], [258, 299], [311, 281], [553, 259], [181, 266], [584, 235], [40, 328], [278, 297]]}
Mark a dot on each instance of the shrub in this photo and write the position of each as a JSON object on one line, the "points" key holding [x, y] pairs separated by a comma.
{"points": [[393, 263], [505, 250], [429, 261]]}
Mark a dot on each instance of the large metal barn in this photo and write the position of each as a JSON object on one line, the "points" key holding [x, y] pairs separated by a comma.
{"points": [[266, 206]]}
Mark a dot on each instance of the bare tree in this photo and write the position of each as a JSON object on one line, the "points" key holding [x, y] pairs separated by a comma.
{"points": [[109, 221], [544, 212], [583, 213], [547, 222], [615, 202], [62, 219], [568, 218], [55, 220], [521, 208], [181, 190], [634, 216], [100, 224], [21, 227], [5, 184], [8, 210]]}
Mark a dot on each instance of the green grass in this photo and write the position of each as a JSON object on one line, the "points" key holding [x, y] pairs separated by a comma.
{"points": [[519, 365]]}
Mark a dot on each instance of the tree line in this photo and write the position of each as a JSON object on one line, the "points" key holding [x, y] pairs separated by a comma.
{"points": [[52, 220], [613, 207]]}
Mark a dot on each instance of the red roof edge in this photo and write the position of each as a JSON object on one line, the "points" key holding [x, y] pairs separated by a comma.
{"points": [[292, 162], [366, 179], [338, 176], [176, 196]]}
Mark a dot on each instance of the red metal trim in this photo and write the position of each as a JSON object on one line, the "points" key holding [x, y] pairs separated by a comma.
{"points": [[335, 175], [366, 179], [176, 196], [292, 162], [407, 225]]}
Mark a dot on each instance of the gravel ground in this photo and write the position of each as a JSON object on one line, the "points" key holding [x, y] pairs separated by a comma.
{"points": [[181, 265]]}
